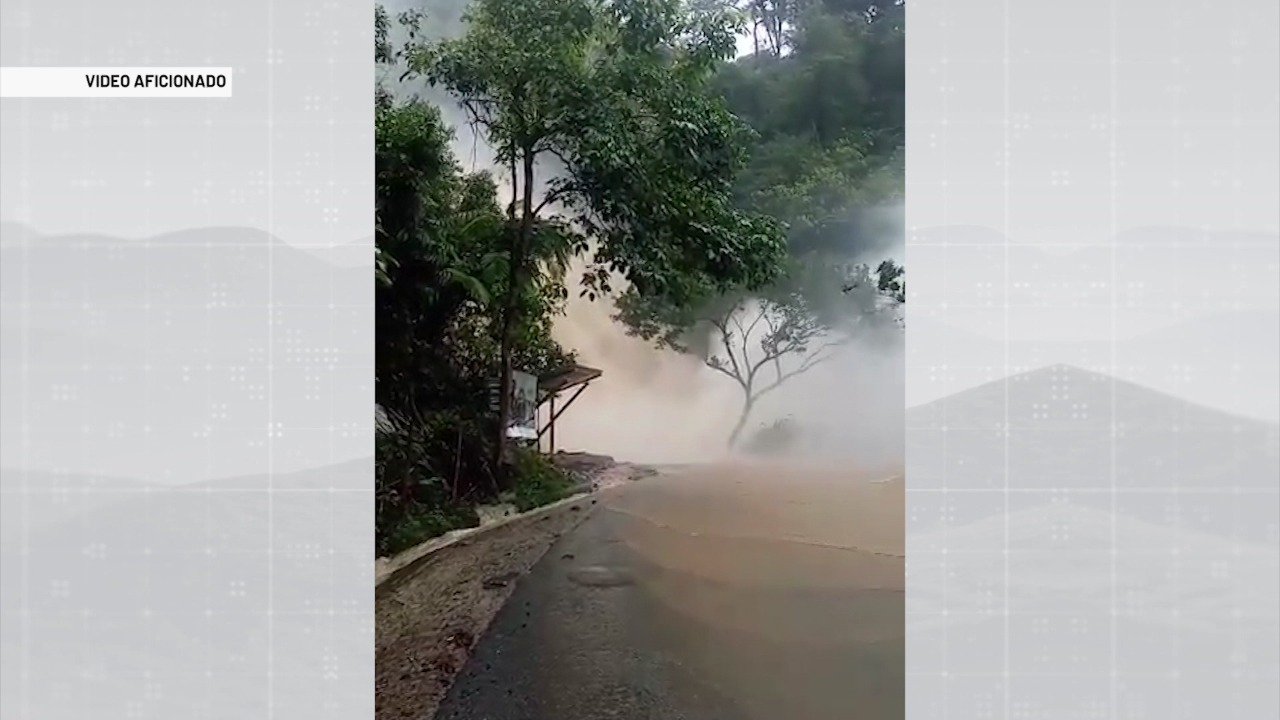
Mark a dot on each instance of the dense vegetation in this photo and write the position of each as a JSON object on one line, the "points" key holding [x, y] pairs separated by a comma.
{"points": [[701, 190]]}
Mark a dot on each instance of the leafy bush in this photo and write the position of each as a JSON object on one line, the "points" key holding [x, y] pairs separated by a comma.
{"points": [[430, 473], [776, 438], [421, 522], [537, 480]]}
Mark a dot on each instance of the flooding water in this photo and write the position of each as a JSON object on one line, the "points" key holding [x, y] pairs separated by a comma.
{"points": [[776, 585]]}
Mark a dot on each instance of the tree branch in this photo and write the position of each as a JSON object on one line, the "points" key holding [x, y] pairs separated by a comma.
{"points": [[764, 311], [733, 316], [725, 335], [817, 357], [549, 198], [720, 368]]}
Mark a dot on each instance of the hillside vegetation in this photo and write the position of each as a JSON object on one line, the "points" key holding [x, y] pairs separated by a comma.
{"points": [[723, 190]]}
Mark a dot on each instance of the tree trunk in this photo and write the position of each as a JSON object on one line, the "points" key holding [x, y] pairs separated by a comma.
{"points": [[510, 319], [507, 341], [742, 422]]}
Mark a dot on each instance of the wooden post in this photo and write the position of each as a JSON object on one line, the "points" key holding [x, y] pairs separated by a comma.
{"points": [[552, 422]]}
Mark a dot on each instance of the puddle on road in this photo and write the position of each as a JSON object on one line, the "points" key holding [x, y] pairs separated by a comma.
{"points": [[600, 576]]}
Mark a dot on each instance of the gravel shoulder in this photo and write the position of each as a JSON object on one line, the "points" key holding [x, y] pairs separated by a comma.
{"points": [[434, 605]]}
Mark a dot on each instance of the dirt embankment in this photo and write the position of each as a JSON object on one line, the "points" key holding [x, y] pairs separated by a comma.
{"points": [[598, 472], [434, 605]]}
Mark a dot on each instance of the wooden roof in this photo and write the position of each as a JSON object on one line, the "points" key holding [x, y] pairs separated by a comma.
{"points": [[568, 377]]}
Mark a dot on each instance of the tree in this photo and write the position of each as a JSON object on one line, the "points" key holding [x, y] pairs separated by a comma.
{"points": [[774, 23], [762, 340], [788, 340], [825, 102], [439, 267], [616, 95], [828, 157]]}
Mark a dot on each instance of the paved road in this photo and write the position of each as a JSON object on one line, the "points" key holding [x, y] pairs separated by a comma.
{"points": [[715, 593]]}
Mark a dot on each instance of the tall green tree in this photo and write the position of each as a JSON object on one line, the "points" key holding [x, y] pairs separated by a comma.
{"points": [[600, 113], [824, 97], [441, 266]]}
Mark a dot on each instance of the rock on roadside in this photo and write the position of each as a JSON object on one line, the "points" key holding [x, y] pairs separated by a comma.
{"points": [[597, 472]]}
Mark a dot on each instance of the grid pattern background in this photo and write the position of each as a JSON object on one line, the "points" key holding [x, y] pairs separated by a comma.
{"points": [[1091, 442], [187, 364], [188, 368]]}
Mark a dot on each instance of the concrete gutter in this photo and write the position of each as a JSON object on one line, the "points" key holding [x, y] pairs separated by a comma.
{"points": [[386, 569]]}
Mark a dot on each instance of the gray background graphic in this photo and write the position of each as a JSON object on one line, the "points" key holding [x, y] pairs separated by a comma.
{"points": [[187, 368], [187, 364], [1092, 365]]}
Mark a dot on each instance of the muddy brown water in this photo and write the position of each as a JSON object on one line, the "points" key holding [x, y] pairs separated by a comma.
{"points": [[780, 586]]}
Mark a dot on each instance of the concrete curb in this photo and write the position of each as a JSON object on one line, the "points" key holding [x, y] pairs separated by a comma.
{"points": [[388, 568]]}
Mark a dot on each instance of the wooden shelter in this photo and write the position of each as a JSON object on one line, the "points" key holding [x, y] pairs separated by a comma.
{"points": [[552, 385]]}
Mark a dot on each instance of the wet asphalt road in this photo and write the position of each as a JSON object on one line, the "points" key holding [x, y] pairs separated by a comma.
{"points": [[719, 593]]}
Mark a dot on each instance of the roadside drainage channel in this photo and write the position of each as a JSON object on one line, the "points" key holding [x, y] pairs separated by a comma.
{"points": [[387, 569]]}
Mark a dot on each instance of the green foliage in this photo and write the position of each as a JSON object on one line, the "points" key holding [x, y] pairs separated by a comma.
{"points": [[823, 98], [422, 522], [423, 462], [442, 266], [830, 118], [616, 94], [825, 108], [442, 263], [537, 480], [624, 136]]}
